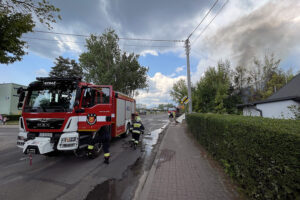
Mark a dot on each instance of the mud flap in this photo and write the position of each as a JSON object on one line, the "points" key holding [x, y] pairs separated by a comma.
{"points": [[39, 145]]}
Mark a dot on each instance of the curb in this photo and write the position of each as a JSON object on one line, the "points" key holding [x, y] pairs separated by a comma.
{"points": [[146, 179], [9, 126]]}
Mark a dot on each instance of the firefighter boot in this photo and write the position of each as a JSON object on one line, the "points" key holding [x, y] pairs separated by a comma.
{"points": [[106, 158]]}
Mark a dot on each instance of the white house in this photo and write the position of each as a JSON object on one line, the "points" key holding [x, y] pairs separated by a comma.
{"points": [[277, 105]]}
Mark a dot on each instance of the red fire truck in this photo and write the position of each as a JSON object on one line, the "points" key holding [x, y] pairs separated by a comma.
{"points": [[65, 114]]}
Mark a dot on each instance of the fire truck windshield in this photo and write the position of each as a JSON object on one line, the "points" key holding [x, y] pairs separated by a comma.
{"points": [[50, 100]]}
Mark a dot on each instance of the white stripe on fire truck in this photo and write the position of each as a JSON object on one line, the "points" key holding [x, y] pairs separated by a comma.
{"points": [[113, 115], [99, 118], [82, 118]]}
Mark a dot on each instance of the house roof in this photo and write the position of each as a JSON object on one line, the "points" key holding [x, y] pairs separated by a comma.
{"points": [[291, 91], [292, 88]]}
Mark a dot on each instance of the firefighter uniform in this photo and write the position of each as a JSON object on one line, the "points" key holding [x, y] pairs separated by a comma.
{"points": [[105, 138], [137, 129], [174, 114]]}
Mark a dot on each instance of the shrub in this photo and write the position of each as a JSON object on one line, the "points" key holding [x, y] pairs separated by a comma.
{"points": [[261, 154], [12, 117]]}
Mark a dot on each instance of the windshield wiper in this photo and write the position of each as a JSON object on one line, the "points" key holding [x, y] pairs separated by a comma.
{"points": [[31, 109], [64, 109]]}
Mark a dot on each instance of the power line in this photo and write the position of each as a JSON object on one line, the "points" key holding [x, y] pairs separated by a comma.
{"points": [[52, 40], [203, 19], [149, 46], [131, 45], [210, 22], [121, 38], [58, 33]]}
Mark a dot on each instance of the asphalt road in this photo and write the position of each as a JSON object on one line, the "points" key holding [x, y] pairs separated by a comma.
{"points": [[66, 176]]}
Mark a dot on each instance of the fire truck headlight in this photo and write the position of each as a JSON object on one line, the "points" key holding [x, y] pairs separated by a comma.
{"points": [[69, 139], [21, 138]]}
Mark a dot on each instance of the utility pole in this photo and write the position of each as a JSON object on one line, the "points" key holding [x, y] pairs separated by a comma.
{"points": [[187, 50]]}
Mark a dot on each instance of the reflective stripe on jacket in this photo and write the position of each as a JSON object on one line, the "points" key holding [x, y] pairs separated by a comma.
{"points": [[137, 127]]}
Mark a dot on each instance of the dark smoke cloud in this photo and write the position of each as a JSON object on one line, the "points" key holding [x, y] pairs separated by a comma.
{"points": [[273, 28]]}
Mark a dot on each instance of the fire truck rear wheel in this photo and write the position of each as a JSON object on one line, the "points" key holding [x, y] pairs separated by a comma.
{"points": [[124, 135], [96, 151]]}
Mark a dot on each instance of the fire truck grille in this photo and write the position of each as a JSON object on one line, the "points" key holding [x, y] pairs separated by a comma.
{"points": [[46, 123]]}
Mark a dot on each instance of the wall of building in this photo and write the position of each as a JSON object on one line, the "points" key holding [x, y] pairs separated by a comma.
{"points": [[250, 111], [15, 99], [277, 110], [9, 99], [5, 97]]}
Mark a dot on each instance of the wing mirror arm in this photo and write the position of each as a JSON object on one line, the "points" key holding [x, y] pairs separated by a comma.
{"points": [[81, 110]]}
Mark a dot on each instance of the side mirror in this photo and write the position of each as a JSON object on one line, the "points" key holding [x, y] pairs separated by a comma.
{"points": [[20, 90], [76, 103], [79, 110], [78, 94], [22, 96], [20, 105]]}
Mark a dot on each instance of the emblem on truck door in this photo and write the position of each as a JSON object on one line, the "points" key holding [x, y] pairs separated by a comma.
{"points": [[91, 119]]}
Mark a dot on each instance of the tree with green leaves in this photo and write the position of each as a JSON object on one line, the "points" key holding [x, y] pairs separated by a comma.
{"points": [[295, 109], [266, 77], [11, 29], [214, 92], [64, 67], [103, 63], [17, 17], [276, 81], [179, 90], [241, 77]]}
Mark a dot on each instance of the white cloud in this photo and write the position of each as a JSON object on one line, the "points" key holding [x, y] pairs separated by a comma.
{"points": [[159, 90], [179, 69], [41, 72], [172, 75], [151, 52]]}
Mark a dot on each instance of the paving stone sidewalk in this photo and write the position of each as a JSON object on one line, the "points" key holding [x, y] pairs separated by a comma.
{"points": [[180, 172]]}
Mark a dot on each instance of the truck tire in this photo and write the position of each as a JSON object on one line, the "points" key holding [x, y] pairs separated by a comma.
{"points": [[52, 154], [96, 151], [127, 132]]}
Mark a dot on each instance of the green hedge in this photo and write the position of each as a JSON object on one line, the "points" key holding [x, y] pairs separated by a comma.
{"points": [[13, 117], [261, 154]]}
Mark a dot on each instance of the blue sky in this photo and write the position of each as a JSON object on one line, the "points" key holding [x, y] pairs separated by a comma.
{"points": [[244, 29]]}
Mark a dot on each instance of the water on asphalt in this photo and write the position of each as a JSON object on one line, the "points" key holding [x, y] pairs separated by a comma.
{"points": [[125, 187]]}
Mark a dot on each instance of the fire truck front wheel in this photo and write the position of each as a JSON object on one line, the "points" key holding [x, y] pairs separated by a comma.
{"points": [[52, 154], [124, 135], [95, 152]]}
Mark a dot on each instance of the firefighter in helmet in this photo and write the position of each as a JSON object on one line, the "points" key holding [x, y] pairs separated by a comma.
{"points": [[137, 129]]}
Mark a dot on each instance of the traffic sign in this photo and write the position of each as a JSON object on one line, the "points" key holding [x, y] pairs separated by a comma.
{"points": [[185, 100]]}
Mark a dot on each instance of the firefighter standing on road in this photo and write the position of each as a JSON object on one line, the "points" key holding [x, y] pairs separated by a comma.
{"points": [[105, 138], [137, 129]]}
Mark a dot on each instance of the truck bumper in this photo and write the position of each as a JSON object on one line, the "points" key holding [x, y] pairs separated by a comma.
{"points": [[39, 145], [21, 139]]}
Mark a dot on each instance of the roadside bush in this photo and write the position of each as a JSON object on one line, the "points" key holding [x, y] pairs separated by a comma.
{"points": [[261, 154], [12, 117]]}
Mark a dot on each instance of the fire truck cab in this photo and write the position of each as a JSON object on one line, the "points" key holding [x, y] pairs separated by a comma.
{"points": [[65, 114]]}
